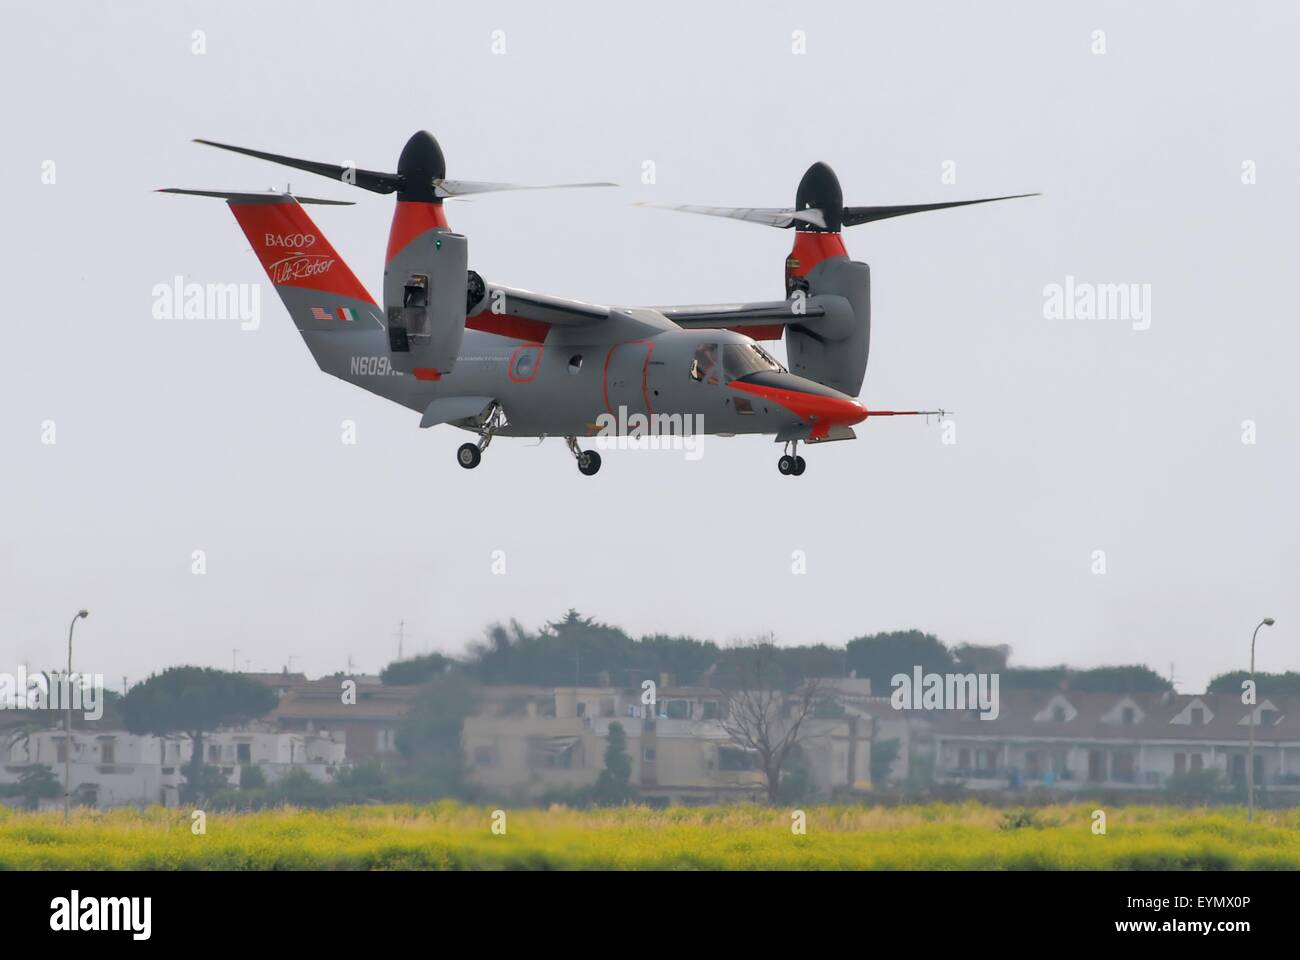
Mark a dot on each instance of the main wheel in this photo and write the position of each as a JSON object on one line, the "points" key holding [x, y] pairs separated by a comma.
{"points": [[799, 466], [589, 463], [468, 456], [786, 465]]}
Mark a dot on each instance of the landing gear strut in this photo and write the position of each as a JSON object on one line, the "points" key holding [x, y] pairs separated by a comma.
{"points": [[469, 454], [791, 464], [588, 460]]}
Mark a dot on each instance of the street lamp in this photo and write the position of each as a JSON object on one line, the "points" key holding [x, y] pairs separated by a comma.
{"points": [[67, 722], [1250, 761]]}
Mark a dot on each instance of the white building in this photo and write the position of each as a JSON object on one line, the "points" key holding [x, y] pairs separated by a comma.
{"points": [[113, 768]]}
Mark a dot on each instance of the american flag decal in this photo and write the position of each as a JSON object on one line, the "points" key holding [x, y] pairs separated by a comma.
{"points": [[318, 313]]}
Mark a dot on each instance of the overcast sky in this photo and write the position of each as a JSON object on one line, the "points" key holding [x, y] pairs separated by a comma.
{"points": [[1073, 435]]}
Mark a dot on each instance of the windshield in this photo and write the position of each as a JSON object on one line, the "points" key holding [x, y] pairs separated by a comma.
{"points": [[742, 359]]}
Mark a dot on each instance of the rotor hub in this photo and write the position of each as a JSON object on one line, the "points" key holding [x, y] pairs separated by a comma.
{"points": [[420, 164], [820, 190]]}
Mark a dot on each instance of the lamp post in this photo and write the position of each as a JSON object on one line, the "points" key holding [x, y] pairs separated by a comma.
{"points": [[67, 722], [1250, 761]]}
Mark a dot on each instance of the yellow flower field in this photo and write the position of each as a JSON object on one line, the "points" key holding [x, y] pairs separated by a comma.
{"points": [[449, 836]]}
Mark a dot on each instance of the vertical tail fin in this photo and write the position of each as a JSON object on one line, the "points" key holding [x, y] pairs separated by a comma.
{"points": [[317, 287]]}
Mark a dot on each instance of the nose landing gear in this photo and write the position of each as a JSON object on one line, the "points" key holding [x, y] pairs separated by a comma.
{"points": [[588, 460], [791, 464]]}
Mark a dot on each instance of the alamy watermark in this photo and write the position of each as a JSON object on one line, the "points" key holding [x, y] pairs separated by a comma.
{"points": [[1074, 300], [84, 692], [946, 691], [655, 431], [179, 300]]}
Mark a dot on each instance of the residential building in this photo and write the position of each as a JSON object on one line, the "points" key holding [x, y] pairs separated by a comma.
{"points": [[529, 741], [114, 768], [366, 714], [1075, 740]]}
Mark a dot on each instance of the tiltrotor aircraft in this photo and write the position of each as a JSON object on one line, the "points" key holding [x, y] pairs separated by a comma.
{"points": [[496, 360]]}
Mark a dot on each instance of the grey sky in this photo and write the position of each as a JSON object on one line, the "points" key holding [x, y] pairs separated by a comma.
{"points": [[1072, 435]]}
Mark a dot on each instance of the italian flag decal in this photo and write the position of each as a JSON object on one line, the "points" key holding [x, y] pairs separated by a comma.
{"points": [[347, 314]]}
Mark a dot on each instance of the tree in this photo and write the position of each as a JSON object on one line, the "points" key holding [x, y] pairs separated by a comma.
{"points": [[1134, 678], [796, 777], [415, 670], [613, 786], [35, 783], [578, 649], [766, 708], [1266, 684], [194, 700], [975, 658], [882, 656], [1035, 678], [430, 733], [883, 755]]}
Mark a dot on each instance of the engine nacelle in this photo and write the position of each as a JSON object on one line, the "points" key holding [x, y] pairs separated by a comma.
{"points": [[424, 302], [833, 349]]}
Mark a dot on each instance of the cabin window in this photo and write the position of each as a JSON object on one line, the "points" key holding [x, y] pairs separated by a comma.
{"points": [[742, 359], [704, 365]]}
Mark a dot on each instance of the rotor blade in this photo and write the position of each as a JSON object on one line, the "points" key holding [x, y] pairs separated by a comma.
{"points": [[770, 216], [247, 195], [371, 180], [856, 215], [457, 188]]}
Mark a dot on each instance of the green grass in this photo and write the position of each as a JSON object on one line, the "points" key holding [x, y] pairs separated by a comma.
{"points": [[448, 836]]}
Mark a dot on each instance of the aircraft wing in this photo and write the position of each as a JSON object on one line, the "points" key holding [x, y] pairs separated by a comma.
{"points": [[553, 311], [739, 316]]}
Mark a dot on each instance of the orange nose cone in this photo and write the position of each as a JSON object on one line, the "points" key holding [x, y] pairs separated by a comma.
{"points": [[848, 412]]}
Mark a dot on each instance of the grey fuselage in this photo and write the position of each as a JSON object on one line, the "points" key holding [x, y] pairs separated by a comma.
{"points": [[638, 363]]}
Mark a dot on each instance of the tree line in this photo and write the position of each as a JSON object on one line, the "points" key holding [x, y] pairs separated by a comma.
{"points": [[579, 651]]}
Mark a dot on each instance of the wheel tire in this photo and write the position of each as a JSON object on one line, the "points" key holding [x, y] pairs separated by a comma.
{"points": [[799, 466], [786, 465], [589, 463], [468, 456]]}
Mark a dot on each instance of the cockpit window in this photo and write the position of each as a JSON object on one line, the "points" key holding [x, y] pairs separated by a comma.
{"points": [[742, 359], [704, 365]]}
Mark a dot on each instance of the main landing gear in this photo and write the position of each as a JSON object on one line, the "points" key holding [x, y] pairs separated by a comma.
{"points": [[588, 460], [469, 454], [791, 464]]}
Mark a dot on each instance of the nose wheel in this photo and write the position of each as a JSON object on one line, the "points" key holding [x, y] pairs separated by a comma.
{"points": [[588, 460], [791, 464], [469, 455]]}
